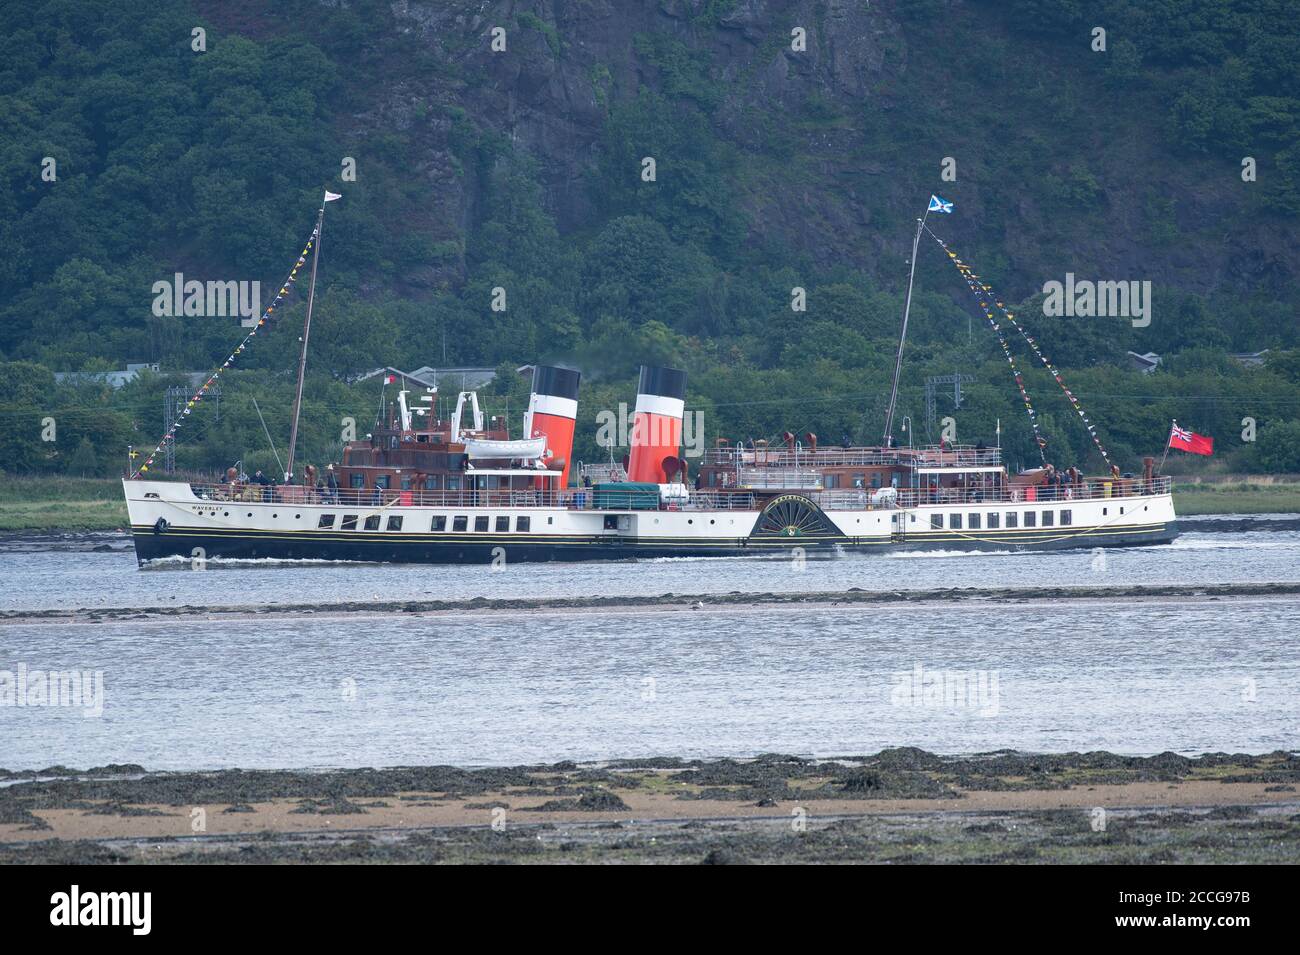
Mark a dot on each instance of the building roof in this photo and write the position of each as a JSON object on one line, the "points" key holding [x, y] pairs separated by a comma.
{"points": [[115, 379], [1147, 362], [1250, 357]]}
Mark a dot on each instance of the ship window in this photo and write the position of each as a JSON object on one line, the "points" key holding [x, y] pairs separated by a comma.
{"points": [[954, 522], [973, 521], [1067, 517], [349, 522], [936, 522], [1013, 519], [611, 522], [439, 524], [995, 520], [1105, 511], [406, 482], [459, 523], [372, 522], [503, 525], [326, 521], [875, 479], [522, 524], [1030, 518], [431, 482], [480, 524], [1121, 510], [357, 480], [832, 481], [383, 480], [860, 480], [394, 523], [1047, 518]]}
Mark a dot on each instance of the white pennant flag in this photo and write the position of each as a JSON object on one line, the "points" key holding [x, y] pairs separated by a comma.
{"points": [[331, 196]]}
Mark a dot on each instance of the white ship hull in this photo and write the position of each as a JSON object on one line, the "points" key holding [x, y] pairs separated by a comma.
{"points": [[168, 519]]}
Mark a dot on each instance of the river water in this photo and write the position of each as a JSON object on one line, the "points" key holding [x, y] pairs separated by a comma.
{"points": [[1190, 675], [60, 579]]}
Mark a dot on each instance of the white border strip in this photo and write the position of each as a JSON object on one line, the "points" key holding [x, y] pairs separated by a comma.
{"points": [[554, 405], [658, 404]]}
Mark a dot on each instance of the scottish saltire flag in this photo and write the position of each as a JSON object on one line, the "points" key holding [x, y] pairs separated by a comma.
{"points": [[939, 205]]}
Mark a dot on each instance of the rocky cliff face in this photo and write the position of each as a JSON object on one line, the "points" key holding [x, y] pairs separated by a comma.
{"points": [[566, 62], [837, 143]]}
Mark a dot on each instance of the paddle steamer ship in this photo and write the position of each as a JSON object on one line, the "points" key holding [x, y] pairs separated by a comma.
{"points": [[422, 489]]}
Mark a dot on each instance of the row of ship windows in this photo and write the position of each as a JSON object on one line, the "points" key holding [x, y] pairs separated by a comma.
{"points": [[459, 524], [1013, 519]]}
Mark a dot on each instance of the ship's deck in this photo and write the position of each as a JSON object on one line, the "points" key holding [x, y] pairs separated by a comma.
{"points": [[740, 498]]}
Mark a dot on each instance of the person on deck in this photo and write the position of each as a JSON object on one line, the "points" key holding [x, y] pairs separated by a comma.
{"points": [[265, 482], [331, 484]]}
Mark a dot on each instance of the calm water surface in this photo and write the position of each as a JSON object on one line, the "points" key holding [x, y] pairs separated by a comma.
{"points": [[1191, 675], [481, 689]]}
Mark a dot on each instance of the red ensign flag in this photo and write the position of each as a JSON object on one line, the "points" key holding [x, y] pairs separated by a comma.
{"points": [[1185, 440]]}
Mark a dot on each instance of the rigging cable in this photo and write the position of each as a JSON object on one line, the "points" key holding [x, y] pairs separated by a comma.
{"points": [[230, 360], [984, 295]]}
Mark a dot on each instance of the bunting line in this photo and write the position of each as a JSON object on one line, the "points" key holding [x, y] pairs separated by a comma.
{"points": [[984, 295], [230, 360]]}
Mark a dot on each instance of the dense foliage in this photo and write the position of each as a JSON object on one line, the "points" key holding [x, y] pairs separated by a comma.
{"points": [[211, 163]]}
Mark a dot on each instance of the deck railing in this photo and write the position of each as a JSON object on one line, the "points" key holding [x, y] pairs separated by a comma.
{"points": [[571, 498], [750, 457], [703, 500], [1092, 489], [602, 473]]}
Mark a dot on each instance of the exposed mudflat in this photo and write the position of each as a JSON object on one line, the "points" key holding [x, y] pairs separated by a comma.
{"points": [[853, 596], [900, 805]]}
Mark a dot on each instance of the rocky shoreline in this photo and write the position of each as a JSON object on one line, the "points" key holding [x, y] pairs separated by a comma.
{"points": [[898, 806]]}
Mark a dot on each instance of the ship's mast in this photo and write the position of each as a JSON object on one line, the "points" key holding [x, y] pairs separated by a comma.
{"points": [[302, 355], [902, 336]]}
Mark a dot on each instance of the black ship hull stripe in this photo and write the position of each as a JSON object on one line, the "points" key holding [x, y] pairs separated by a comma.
{"points": [[409, 548]]}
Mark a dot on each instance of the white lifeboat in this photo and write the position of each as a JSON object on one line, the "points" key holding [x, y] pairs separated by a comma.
{"points": [[489, 448]]}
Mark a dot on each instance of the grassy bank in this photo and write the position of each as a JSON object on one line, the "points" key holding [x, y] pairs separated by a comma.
{"points": [[1236, 498], [61, 504]]}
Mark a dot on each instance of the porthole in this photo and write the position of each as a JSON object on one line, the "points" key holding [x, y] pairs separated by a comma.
{"points": [[273, 516], [690, 520], [227, 514], [250, 513], [712, 521]]}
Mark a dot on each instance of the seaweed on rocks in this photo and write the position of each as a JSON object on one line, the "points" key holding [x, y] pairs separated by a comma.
{"points": [[594, 800]]}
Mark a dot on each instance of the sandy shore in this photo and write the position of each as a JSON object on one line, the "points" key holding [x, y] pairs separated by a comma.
{"points": [[624, 603], [898, 806]]}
